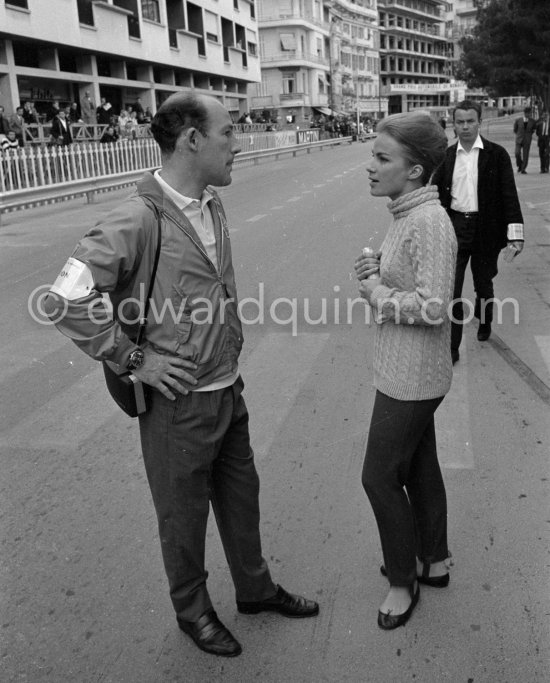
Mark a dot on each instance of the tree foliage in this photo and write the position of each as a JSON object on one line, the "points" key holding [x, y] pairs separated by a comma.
{"points": [[508, 52]]}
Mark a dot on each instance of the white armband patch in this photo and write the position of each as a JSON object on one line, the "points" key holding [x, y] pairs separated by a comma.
{"points": [[75, 280]]}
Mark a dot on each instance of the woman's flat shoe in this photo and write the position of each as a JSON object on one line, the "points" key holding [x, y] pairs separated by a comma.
{"points": [[387, 622], [433, 581]]}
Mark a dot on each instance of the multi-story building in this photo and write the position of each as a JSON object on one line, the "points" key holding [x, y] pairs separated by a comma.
{"points": [[124, 49], [354, 57], [295, 58], [416, 56], [318, 56]]}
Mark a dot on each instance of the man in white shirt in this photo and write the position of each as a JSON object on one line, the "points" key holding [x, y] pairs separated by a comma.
{"points": [[476, 185]]}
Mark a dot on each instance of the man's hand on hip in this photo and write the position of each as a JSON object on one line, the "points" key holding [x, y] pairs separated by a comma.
{"points": [[167, 374]]}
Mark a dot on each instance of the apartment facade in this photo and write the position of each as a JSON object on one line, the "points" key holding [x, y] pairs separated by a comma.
{"points": [[355, 66], [125, 49], [317, 57], [295, 58], [416, 55]]}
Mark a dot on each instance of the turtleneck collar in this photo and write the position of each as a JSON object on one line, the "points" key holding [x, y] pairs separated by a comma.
{"points": [[401, 206]]}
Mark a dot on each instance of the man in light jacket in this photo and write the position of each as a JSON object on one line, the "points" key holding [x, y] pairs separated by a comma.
{"points": [[195, 436]]}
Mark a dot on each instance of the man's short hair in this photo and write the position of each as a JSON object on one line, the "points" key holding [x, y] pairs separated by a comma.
{"points": [[178, 113], [468, 104], [527, 110]]}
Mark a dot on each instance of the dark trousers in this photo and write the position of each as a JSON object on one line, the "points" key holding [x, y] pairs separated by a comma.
{"points": [[196, 452], [544, 154], [403, 481], [522, 154], [484, 269]]}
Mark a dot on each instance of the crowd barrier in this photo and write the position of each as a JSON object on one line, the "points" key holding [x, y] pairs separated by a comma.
{"points": [[33, 176]]}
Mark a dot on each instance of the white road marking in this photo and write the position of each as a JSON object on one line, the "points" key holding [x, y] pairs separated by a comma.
{"points": [[271, 387], [258, 217], [454, 435], [294, 199], [276, 208]]}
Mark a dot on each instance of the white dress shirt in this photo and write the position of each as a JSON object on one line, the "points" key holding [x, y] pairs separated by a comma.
{"points": [[464, 185]]}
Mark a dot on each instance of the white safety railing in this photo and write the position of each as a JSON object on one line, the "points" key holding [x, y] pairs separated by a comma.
{"points": [[30, 167]]}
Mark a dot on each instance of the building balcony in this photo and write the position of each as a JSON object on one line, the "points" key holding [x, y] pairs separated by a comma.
{"points": [[412, 54], [413, 8], [353, 8], [293, 57], [294, 18], [435, 32]]}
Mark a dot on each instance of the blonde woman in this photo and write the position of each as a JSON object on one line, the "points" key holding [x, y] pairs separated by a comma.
{"points": [[409, 296]]}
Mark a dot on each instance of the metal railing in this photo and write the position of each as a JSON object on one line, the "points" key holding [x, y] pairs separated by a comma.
{"points": [[33, 177]]}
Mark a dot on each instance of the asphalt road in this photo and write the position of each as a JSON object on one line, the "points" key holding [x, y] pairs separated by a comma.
{"points": [[82, 590]]}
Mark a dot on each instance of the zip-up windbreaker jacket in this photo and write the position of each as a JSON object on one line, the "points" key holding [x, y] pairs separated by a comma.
{"points": [[193, 310]]}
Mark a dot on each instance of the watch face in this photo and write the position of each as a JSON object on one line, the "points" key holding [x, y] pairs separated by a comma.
{"points": [[135, 360]]}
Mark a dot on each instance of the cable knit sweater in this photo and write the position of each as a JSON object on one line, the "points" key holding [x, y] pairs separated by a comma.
{"points": [[412, 358]]}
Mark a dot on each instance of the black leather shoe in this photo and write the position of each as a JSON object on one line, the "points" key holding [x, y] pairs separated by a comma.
{"points": [[282, 602], [425, 578], [391, 621], [483, 331], [209, 634], [454, 356]]}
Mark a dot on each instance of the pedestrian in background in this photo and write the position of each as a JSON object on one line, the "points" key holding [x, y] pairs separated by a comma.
{"points": [[409, 285], [4, 122], [476, 185], [30, 115], [103, 112], [8, 141], [543, 142], [110, 135], [87, 109], [195, 435], [16, 125], [524, 127], [60, 133]]}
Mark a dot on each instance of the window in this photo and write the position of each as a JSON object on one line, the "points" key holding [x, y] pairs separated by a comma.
{"points": [[211, 26], [289, 82], [288, 42], [23, 4], [150, 10], [85, 12]]}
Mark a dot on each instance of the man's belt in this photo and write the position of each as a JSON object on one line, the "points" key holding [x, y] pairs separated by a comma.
{"points": [[465, 214]]}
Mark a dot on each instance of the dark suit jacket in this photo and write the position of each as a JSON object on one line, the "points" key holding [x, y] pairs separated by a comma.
{"points": [[524, 129], [58, 131], [497, 197], [542, 139]]}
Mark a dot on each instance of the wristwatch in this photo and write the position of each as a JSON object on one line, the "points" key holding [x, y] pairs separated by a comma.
{"points": [[135, 359]]}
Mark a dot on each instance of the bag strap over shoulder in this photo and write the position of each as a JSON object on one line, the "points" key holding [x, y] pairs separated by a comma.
{"points": [[143, 321]]}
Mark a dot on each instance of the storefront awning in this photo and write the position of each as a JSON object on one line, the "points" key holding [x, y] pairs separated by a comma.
{"points": [[324, 110]]}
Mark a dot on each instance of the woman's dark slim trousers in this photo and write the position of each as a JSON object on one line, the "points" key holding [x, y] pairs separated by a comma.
{"points": [[402, 479], [197, 451]]}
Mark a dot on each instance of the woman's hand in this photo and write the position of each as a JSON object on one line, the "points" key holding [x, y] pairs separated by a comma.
{"points": [[365, 266], [367, 287]]}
